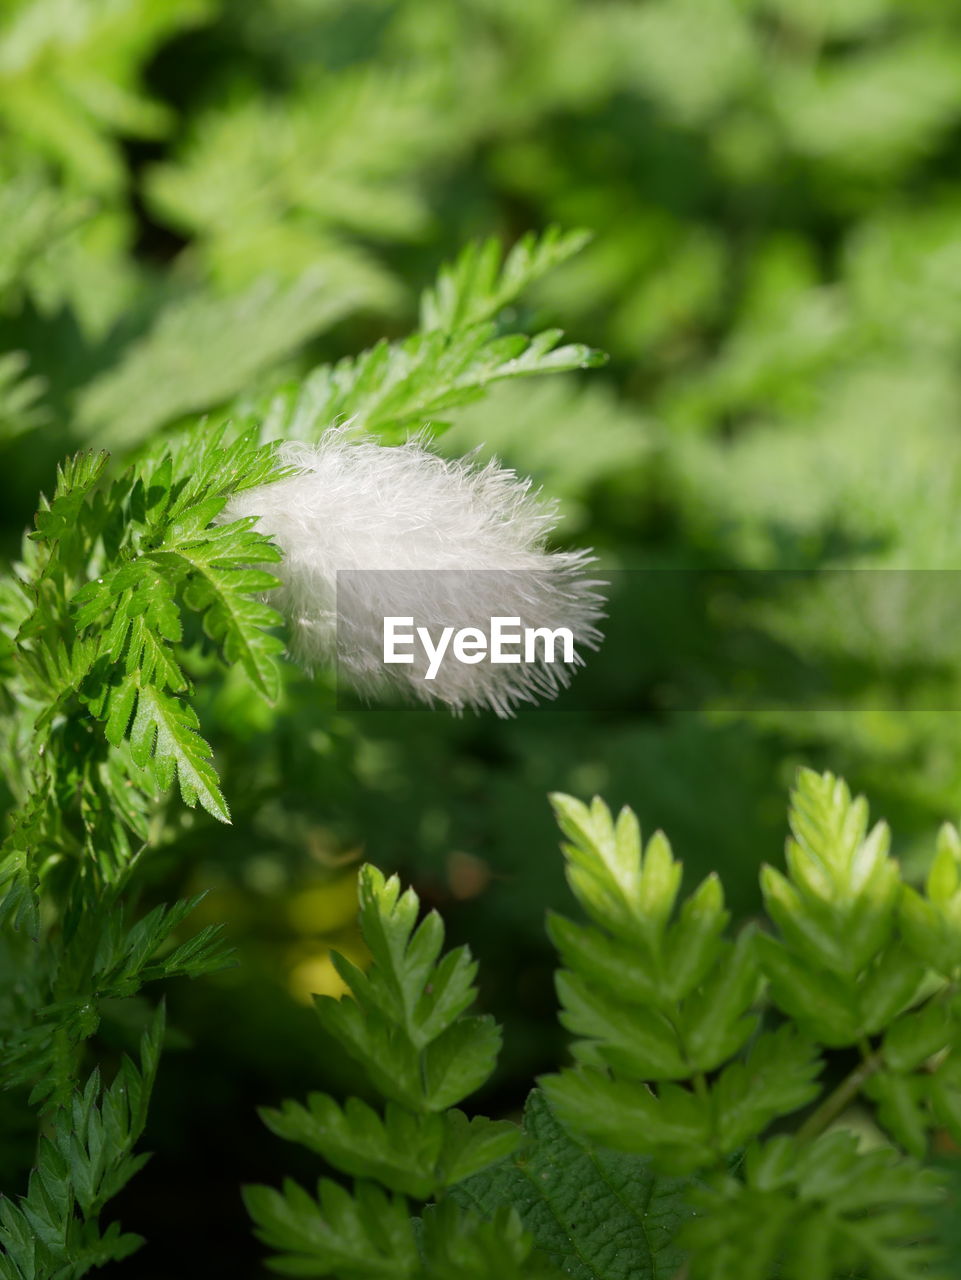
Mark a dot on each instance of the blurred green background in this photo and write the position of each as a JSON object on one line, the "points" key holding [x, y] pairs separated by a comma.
{"points": [[200, 199]]}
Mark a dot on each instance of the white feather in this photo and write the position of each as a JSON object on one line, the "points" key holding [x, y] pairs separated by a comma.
{"points": [[412, 534]]}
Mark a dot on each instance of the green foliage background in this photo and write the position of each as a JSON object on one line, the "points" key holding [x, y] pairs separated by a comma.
{"points": [[202, 199]]}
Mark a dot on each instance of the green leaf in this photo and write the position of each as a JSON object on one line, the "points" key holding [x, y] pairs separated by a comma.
{"points": [[892, 983], [458, 1246], [836, 909], [459, 1061], [20, 902], [918, 1035], [407, 1026], [631, 1039], [812, 1212], [455, 355], [471, 1145], [77, 476], [164, 735], [276, 184], [414, 1154], [397, 387], [629, 893], [127, 958], [596, 1214], [945, 1094], [370, 1038], [672, 1125], [931, 924], [73, 83], [901, 1103], [202, 350], [610, 965], [694, 945], [221, 588], [715, 1019], [478, 285], [819, 1002], [83, 1160], [367, 1235], [778, 1076]]}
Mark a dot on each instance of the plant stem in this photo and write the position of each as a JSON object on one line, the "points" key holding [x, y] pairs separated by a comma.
{"points": [[835, 1102]]}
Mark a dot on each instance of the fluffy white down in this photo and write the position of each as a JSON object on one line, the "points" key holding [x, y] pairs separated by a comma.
{"points": [[445, 541]]}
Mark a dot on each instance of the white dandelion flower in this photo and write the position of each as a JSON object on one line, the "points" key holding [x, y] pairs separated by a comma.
{"points": [[370, 532]]}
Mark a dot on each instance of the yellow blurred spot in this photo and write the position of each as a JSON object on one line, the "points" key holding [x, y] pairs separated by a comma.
{"points": [[312, 971], [324, 908], [315, 975]]}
